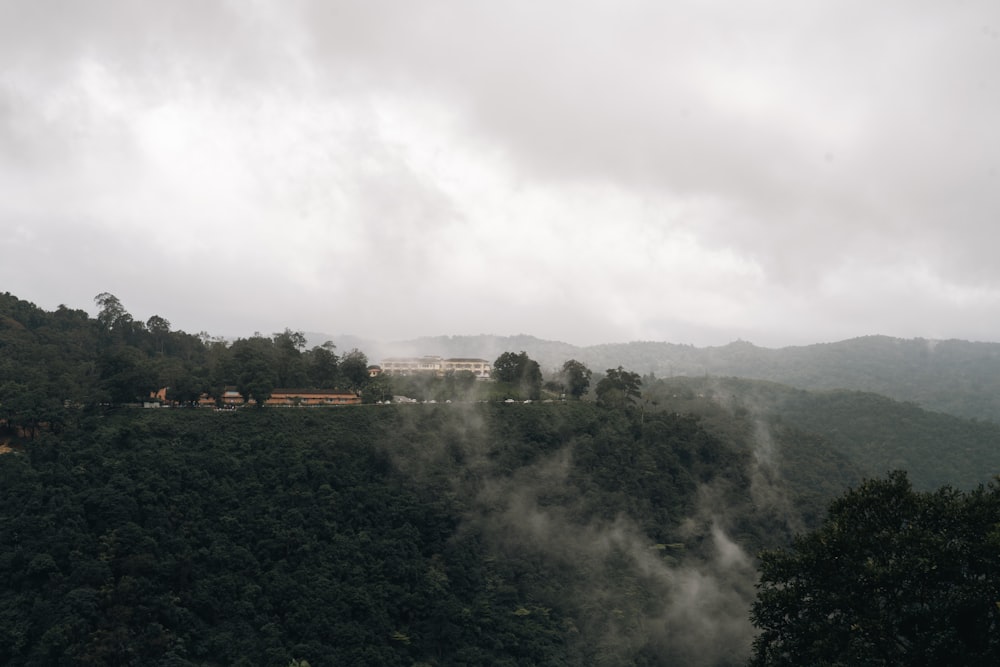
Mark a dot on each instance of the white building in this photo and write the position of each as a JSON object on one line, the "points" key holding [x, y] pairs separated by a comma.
{"points": [[436, 365]]}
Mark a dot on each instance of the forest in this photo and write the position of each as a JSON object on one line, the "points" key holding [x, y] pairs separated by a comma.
{"points": [[56, 364], [631, 521], [380, 535]]}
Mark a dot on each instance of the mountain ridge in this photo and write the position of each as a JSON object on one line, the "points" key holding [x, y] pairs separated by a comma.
{"points": [[954, 376]]}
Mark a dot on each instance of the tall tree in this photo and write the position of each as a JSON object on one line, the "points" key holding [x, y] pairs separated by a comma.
{"points": [[507, 367], [575, 378], [618, 387], [112, 313], [354, 369], [255, 367], [159, 328], [892, 577], [256, 381], [322, 366], [290, 369], [519, 370]]}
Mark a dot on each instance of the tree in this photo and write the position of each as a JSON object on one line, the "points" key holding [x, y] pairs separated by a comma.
{"points": [[322, 366], [618, 387], [126, 375], [354, 368], [256, 381], [160, 329], [377, 390], [290, 340], [255, 371], [158, 325], [519, 370], [290, 369], [112, 313], [575, 378], [891, 577], [507, 367]]}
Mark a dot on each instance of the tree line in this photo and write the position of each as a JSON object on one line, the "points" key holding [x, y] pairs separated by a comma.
{"points": [[52, 362]]}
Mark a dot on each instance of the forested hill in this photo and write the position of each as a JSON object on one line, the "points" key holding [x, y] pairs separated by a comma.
{"points": [[50, 358], [56, 365], [491, 530], [875, 433], [958, 377], [485, 534]]}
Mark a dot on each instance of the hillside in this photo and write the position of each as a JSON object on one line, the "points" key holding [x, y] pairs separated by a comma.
{"points": [[48, 359], [875, 433], [384, 535], [463, 532], [958, 377]]}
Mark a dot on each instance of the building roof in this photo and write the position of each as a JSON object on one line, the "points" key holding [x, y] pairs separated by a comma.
{"points": [[314, 392]]}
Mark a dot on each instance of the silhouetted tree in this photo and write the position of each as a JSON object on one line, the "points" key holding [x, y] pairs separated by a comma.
{"points": [[892, 577], [112, 313]]}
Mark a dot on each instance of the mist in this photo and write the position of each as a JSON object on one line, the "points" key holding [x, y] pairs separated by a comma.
{"points": [[685, 601]]}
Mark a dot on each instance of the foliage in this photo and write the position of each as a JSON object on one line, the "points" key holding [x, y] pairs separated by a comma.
{"points": [[442, 534], [54, 364], [880, 434], [377, 390], [958, 377], [873, 433], [322, 366], [891, 577], [575, 378], [354, 369], [618, 388], [377, 535], [519, 371]]}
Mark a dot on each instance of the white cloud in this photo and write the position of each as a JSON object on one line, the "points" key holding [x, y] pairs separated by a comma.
{"points": [[596, 171]]}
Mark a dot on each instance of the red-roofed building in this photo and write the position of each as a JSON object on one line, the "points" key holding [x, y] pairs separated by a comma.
{"points": [[311, 397]]}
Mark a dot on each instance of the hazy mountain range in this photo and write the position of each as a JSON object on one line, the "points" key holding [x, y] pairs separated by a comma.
{"points": [[954, 376]]}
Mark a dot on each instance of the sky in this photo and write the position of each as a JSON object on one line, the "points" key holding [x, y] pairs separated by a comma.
{"points": [[701, 171]]}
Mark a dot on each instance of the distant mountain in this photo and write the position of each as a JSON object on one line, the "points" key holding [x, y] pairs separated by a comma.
{"points": [[953, 376], [551, 354]]}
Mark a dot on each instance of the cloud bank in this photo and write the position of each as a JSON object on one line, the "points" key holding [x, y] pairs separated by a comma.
{"points": [[590, 172]]}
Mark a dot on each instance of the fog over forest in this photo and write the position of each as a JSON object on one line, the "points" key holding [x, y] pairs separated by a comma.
{"points": [[178, 499], [728, 271]]}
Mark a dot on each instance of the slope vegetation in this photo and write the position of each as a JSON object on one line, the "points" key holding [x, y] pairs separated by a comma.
{"points": [[444, 535], [875, 434]]}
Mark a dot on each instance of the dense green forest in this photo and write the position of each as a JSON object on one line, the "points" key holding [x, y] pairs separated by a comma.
{"points": [[876, 434], [431, 534], [55, 364], [616, 521]]}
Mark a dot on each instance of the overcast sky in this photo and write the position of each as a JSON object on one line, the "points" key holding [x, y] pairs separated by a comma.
{"points": [[783, 172]]}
